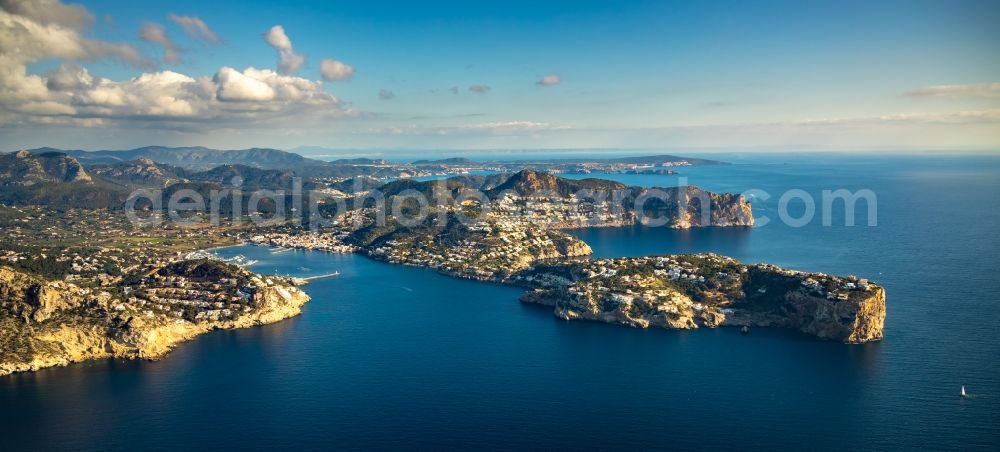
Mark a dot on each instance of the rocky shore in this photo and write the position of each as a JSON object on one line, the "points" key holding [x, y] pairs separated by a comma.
{"points": [[47, 324], [708, 290]]}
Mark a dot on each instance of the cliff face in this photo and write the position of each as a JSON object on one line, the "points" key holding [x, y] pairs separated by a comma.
{"points": [[32, 299], [688, 207], [854, 321], [692, 291], [24, 168], [55, 328]]}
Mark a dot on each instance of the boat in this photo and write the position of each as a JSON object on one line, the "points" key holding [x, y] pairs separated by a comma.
{"points": [[745, 330], [963, 395]]}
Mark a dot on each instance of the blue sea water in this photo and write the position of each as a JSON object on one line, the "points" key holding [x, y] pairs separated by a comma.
{"points": [[398, 357]]}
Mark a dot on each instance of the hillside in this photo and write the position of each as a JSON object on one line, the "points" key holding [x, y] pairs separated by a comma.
{"points": [[54, 179], [23, 168], [193, 158], [527, 182], [141, 172]]}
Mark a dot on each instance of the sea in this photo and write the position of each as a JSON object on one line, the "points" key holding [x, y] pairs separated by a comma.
{"points": [[395, 357]]}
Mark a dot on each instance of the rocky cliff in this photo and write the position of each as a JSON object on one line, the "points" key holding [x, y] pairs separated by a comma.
{"points": [[855, 320], [45, 324], [24, 168], [707, 290], [689, 206]]}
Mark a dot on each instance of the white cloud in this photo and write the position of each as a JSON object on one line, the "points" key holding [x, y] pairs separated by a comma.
{"points": [[70, 95], [33, 31], [550, 80], [47, 108], [335, 70], [234, 86], [971, 90], [50, 12], [195, 28], [480, 89], [155, 33], [68, 76], [288, 61], [514, 126], [26, 40], [957, 117]]}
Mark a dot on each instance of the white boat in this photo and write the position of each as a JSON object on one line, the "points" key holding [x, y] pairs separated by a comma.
{"points": [[963, 392]]}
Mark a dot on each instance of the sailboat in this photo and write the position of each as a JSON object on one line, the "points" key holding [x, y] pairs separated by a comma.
{"points": [[963, 395]]}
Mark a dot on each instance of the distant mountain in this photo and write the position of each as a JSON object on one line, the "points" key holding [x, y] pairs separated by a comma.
{"points": [[641, 160], [483, 183], [527, 182], [360, 161], [357, 184], [142, 172], [249, 178], [193, 158], [56, 180], [26, 169], [661, 159], [448, 161]]}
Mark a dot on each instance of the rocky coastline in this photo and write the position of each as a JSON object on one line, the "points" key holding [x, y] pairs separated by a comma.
{"points": [[708, 290], [48, 324]]}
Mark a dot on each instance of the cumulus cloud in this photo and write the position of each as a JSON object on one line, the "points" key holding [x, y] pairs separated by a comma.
{"points": [[31, 31], [68, 76], [71, 95], [335, 70], [155, 33], [550, 80], [288, 61], [195, 28], [385, 94], [234, 86], [971, 90], [228, 95], [27, 39], [50, 12], [266, 85], [480, 89]]}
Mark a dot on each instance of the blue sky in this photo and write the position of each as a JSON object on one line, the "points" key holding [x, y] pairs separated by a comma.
{"points": [[670, 75]]}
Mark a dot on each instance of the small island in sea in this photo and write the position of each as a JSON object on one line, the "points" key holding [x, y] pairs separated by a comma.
{"points": [[80, 282]]}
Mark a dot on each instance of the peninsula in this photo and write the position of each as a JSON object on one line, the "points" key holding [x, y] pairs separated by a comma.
{"points": [[52, 323]]}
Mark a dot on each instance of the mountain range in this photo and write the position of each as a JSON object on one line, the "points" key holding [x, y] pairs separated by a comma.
{"points": [[192, 158]]}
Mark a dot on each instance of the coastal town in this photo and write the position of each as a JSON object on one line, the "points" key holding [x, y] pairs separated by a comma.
{"points": [[491, 249], [145, 315]]}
